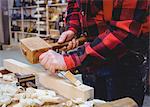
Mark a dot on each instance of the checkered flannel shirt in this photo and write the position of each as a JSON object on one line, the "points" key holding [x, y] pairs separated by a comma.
{"points": [[111, 39]]}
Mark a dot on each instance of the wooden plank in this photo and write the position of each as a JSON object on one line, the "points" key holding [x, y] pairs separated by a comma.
{"points": [[124, 102], [60, 85], [2, 68]]}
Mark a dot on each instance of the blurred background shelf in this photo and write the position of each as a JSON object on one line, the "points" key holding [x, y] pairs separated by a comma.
{"points": [[24, 18]]}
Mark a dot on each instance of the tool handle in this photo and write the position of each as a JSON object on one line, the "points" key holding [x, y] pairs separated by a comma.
{"points": [[60, 45]]}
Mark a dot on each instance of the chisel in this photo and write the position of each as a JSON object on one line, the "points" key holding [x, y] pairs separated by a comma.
{"points": [[69, 76]]}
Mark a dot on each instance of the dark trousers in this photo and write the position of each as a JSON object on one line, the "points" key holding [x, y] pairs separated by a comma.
{"points": [[116, 81]]}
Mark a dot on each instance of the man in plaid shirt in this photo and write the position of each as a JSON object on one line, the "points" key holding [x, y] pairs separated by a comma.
{"points": [[106, 60]]}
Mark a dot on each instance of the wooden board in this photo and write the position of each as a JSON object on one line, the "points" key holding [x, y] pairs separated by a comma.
{"points": [[60, 85], [124, 102]]}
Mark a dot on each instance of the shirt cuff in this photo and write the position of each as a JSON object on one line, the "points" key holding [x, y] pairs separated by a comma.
{"points": [[69, 61], [73, 29]]}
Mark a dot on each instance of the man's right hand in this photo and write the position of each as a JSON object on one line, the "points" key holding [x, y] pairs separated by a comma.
{"points": [[68, 36]]}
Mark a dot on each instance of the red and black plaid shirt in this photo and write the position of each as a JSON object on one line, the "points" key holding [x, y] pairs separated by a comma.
{"points": [[110, 40]]}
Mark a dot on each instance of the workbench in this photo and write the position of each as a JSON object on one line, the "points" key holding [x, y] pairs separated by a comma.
{"points": [[85, 94]]}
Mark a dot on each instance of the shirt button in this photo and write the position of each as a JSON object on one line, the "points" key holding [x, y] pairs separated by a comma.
{"points": [[83, 13]]}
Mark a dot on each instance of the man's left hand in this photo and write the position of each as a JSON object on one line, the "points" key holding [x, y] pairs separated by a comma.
{"points": [[52, 61]]}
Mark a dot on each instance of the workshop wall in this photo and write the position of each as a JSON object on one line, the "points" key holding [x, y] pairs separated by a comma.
{"points": [[4, 25], [1, 28]]}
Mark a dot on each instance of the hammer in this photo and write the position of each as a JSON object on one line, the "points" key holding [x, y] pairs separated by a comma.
{"points": [[33, 47]]}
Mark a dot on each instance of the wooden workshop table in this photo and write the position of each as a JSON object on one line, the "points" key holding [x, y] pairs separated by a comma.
{"points": [[9, 65]]}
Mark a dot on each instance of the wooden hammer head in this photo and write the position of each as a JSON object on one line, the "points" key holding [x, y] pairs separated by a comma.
{"points": [[33, 47]]}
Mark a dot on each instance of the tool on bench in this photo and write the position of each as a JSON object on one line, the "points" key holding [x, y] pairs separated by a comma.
{"points": [[33, 47], [26, 80]]}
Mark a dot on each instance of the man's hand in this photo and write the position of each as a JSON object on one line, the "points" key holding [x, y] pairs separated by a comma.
{"points": [[52, 61], [68, 36]]}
